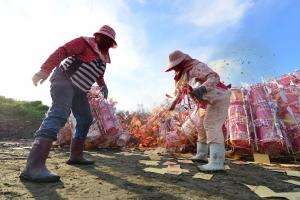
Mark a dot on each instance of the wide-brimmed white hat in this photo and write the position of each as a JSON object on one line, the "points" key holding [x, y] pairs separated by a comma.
{"points": [[175, 58], [108, 31]]}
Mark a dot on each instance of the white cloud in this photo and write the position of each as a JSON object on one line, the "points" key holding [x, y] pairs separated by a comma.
{"points": [[31, 30], [36, 28], [216, 15], [227, 68]]}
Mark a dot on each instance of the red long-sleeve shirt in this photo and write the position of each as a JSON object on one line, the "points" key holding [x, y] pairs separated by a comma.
{"points": [[78, 47]]}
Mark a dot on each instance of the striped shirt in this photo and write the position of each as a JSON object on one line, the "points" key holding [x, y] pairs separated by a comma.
{"points": [[82, 74]]}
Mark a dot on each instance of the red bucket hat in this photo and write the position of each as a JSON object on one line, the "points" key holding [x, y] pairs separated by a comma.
{"points": [[108, 31], [175, 58]]}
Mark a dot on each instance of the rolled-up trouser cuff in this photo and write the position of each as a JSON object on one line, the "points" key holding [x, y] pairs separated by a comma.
{"points": [[79, 137], [46, 134]]}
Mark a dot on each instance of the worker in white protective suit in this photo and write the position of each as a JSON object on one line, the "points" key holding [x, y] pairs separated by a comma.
{"points": [[212, 96]]}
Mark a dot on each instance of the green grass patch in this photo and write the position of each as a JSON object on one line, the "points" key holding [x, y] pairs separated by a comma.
{"points": [[13, 109]]}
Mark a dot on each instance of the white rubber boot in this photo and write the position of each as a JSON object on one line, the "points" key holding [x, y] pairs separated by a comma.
{"points": [[202, 151], [216, 158]]}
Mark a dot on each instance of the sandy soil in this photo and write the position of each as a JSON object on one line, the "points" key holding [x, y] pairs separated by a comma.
{"points": [[120, 176]]}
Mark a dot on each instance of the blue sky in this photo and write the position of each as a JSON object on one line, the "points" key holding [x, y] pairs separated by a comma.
{"points": [[243, 40]]}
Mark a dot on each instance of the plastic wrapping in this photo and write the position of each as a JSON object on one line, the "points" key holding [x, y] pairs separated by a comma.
{"points": [[269, 136], [192, 123], [237, 124], [289, 112]]}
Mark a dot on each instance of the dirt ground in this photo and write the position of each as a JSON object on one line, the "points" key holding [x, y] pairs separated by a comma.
{"points": [[118, 174]]}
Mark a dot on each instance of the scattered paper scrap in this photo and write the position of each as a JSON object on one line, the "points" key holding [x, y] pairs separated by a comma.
{"points": [[262, 191], [169, 163], [150, 162], [289, 172], [155, 170], [293, 182], [294, 166], [125, 153], [175, 169], [154, 156], [174, 172], [185, 170], [183, 156], [147, 152], [101, 155], [273, 168], [238, 162], [203, 176], [293, 173], [290, 195], [265, 192], [226, 167], [271, 164], [160, 150], [261, 158], [17, 148], [185, 161], [174, 166]]}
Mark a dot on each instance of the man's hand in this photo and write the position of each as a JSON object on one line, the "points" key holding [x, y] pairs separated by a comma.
{"points": [[198, 93], [39, 77], [104, 91]]}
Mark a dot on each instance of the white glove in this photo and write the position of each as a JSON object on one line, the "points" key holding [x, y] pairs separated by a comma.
{"points": [[39, 77]]}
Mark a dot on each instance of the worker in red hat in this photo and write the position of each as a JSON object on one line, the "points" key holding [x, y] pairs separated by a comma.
{"points": [[77, 65], [212, 96]]}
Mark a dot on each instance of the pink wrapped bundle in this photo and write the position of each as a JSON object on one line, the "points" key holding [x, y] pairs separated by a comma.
{"points": [[108, 118], [192, 123], [289, 104], [272, 89], [104, 116], [237, 126], [296, 75], [289, 113], [286, 80], [290, 119], [236, 97], [105, 129], [257, 95], [269, 137], [262, 112], [289, 95]]}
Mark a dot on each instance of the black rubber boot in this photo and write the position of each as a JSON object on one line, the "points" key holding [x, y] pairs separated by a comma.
{"points": [[76, 155], [36, 170]]}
